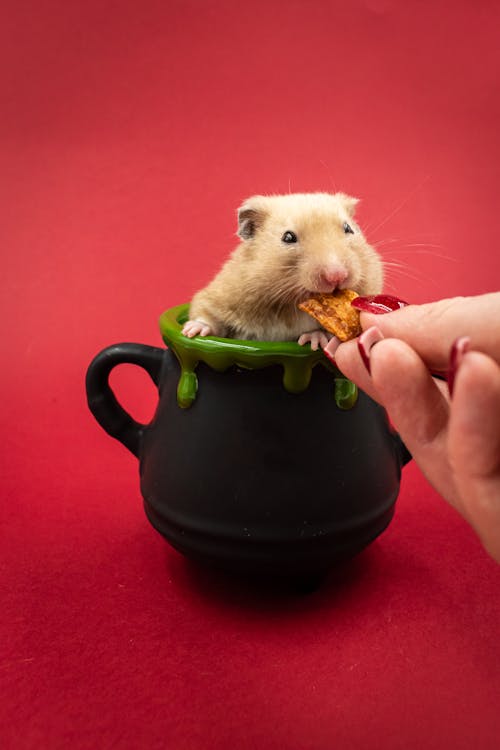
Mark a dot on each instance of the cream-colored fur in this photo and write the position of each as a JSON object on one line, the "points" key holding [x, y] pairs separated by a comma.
{"points": [[255, 294]]}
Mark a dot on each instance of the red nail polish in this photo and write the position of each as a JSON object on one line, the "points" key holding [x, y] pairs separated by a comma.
{"points": [[366, 342], [330, 349], [378, 304], [457, 351]]}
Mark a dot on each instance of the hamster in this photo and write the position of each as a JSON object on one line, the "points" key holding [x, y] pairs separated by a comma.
{"points": [[291, 245]]}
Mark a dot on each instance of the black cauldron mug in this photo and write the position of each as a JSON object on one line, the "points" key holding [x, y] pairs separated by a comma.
{"points": [[260, 458]]}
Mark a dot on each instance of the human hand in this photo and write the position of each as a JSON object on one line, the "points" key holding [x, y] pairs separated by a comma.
{"points": [[454, 439]]}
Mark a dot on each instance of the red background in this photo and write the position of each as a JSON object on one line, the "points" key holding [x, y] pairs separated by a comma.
{"points": [[129, 134]]}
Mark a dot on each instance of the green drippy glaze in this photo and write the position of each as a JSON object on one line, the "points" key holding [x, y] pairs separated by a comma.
{"points": [[297, 361], [346, 393]]}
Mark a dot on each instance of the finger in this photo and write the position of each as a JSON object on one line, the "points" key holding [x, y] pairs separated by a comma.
{"points": [[430, 329], [322, 341], [474, 445], [347, 358], [331, 345], [409, 393], [475, 418], [417, 408]]}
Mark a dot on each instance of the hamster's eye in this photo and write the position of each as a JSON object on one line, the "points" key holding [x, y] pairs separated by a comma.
{"points": [[289, 237], [347, 228]]}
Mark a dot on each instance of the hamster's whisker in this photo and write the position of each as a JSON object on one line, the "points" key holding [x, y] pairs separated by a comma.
{"points": [[404, 269], [422, 244], [392, 287], [403, 245], [388, 241], [403, 203], [329, 174], [397, 272], [397, 265], [424, 252]]}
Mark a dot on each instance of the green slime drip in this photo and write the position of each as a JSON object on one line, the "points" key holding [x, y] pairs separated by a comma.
{"points": [[220, 354]]}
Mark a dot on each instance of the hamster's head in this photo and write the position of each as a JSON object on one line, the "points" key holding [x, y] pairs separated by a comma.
{"points": [[309, 242]]}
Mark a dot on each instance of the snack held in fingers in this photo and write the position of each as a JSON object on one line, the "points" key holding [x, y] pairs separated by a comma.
{"points": [[335, 313]]}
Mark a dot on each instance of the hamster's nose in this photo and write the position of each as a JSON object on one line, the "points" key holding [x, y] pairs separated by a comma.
{"points": [[333, 276]]}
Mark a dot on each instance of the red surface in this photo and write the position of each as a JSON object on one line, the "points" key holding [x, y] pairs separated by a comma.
{"points": [[129, 134]]}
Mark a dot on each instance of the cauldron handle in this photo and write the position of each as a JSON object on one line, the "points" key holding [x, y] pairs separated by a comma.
{"points": [[101, 399]]}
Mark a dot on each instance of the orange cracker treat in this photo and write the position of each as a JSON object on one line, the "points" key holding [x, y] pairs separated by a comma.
{"points": [[334, 313]]}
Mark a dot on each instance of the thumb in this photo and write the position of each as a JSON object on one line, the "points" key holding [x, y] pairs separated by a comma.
{"points": [[431, 329]]}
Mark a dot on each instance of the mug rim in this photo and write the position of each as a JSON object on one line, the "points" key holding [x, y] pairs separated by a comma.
{"points": [[172, 320]]}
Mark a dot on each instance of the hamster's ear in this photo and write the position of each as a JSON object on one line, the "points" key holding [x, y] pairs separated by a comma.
{"points": [[251, 216], [349, 203]]}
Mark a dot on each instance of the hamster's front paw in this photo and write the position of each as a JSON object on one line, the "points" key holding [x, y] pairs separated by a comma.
{"points": [[315, 338], [196, 328]]}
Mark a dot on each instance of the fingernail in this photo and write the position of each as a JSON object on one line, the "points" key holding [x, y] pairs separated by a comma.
{"points": [[378, 304], [457, 351], [366, 342], [330, 349]]}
